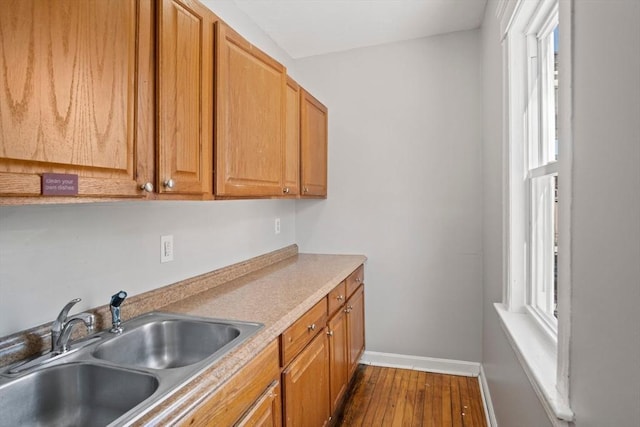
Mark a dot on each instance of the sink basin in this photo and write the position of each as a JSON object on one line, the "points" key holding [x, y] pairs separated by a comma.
{"points": [[110, 379], [164, 344], [75, 394]]}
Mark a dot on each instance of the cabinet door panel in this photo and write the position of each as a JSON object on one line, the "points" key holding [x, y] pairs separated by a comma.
{"points": [[250, 112], [69, 73], [355, 308], [313, 147], [267, 411], [185, 97], [338, 358], [292, 140], [306, 386]]}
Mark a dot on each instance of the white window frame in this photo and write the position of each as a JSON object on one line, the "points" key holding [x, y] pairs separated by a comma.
{"points": [[539, 137], [541, 344]]}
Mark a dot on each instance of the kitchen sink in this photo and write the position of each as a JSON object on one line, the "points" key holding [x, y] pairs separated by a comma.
{"points": [[114, 379], [165, 344], [74, 394]]}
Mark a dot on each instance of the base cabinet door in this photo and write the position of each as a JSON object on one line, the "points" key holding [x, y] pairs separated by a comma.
{"points": [[267, 411], [338, 357], [355, 328], [306, 386]]}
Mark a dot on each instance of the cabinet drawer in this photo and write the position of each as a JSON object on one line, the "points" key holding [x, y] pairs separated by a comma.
{"points": [[298, 335], [354, 280], [337, 297], [234, 397]]}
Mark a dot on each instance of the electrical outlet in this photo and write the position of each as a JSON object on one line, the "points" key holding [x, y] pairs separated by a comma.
{"points": [[166, 248], [277, 226]]}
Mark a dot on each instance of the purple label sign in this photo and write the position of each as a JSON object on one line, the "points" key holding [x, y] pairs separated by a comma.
{"points": [[59, 184]]}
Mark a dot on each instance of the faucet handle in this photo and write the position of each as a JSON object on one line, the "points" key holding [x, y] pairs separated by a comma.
{"points": [[118, 298], [58, 325]]}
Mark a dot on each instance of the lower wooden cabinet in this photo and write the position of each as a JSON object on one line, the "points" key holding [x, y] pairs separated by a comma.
{"points": [[318, 359], [242, 391], [322, 361], [267, 411], [355, 328], [338, 358], [306, 386]]}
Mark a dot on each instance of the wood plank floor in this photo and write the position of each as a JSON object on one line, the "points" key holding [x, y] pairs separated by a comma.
{"points": [[401, 397]]}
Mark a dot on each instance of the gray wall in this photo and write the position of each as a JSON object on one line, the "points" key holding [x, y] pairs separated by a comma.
{"points": [[405, 188], [605, 220], [605, 305]]}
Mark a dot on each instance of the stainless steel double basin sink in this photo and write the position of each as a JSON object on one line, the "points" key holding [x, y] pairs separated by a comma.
{"points": [[109, 379]]}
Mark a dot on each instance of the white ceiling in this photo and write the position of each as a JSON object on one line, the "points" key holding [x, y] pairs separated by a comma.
{"points": [[314, 27]]}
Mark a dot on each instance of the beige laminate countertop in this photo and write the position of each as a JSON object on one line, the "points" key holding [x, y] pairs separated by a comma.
{"points": [[276, 296]]}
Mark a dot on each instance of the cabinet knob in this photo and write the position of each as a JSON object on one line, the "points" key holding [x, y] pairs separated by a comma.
{"points": [[340, 297], [170, 183], [147, 186], [305, 189], [358, 280], [330, 333], [286, 190], [311, 327]]}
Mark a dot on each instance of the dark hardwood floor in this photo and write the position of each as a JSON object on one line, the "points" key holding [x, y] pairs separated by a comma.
{"points": [[401, 397]]}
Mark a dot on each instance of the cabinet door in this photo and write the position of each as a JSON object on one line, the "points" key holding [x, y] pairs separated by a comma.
{"points": [[338, 357], [267, 411], [292, 140], [313, 146], [250, 119], [306, 386], [355, 327], [74, 78], [185, 97]]}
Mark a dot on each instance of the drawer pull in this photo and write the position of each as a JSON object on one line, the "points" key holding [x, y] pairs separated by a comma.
{"points": [[330, 333], [311, 327], [340, 297]]}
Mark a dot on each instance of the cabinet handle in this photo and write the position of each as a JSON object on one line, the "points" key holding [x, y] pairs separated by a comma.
{"points": [[170, 183], [340, 297], [147, 186], [286, 190], [348, 309], [330, 333], [311, 327], [358, 280], [305, 189]]}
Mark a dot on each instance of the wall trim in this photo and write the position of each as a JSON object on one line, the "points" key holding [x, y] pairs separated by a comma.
{"points": [[486, 399], [419, 363]]}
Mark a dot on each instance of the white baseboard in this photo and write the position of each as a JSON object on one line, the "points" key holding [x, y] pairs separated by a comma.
{"points": [[417, 363], [486, 399]]}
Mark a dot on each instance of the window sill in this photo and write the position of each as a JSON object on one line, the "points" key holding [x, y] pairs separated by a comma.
{"points": [[537, 354]]}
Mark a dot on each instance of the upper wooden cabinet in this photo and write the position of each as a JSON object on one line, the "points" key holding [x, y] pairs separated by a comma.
{"points": [[313, 146], [75, 82], [292, 140], [185, 97], [250, 112]]}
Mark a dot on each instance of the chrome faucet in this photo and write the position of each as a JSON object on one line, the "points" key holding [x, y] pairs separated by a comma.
{"points": [[116, 300], [61, 327]]}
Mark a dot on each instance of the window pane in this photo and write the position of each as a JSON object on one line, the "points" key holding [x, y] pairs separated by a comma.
{"points": [[548, 51], [543, 244], [555, 91]]}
